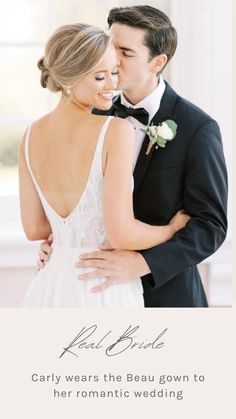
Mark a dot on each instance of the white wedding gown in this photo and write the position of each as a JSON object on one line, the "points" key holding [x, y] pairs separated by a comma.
{"points": [[57, 284]]}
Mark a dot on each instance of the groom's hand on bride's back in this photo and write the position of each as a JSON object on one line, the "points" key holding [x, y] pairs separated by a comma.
{"points": [[44, 252], [115, 266]]}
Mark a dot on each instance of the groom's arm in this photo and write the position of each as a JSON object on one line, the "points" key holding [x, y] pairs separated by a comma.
{"points": [[205, 199]]}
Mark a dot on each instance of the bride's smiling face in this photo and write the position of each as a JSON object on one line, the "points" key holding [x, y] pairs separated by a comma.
{"points": [[95, 90]]}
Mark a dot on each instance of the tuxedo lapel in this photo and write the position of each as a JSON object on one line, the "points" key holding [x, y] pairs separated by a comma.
{"points": [[165, 112]]}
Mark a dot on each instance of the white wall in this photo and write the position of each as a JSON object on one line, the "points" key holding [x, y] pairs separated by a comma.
{"points": [[201, 70]]}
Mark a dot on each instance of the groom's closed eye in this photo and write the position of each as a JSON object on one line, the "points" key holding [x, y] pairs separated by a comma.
{"points": [[127, 52]]}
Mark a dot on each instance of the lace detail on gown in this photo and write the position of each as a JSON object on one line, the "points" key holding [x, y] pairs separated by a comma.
{"points": [[81, 231]]}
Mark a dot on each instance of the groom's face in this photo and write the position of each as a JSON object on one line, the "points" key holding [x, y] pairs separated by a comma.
{"points": [[136, 69]]}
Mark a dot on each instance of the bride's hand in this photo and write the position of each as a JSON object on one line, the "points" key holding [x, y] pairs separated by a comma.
{"points": [[179, 220]]}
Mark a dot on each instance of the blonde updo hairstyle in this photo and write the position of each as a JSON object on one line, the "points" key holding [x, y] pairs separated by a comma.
{"points": [[71, 52]]}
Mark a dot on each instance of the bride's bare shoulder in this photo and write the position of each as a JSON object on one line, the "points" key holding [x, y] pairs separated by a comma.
{"points": [[38, 124], [116, 123], [120, 136], [120, 129], [36, 128], [117, 126], [42, 121], [121, 124]]}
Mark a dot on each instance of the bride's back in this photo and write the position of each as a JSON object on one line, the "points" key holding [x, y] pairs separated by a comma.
{"points": [[61, 151]]}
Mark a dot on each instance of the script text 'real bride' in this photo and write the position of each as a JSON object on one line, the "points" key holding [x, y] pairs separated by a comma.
{"points": [[89, 338]]}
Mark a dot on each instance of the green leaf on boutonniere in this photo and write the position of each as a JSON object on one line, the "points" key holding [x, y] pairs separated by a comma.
{"points": [[172, 125], [160, 134], [160, 142]]}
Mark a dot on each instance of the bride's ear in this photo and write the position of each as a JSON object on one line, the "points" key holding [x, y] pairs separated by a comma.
{"points": [[158, 63]]}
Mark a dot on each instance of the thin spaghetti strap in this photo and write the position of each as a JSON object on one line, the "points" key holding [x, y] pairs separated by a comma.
{"points": [[99, 147], [28, 163], [27, 148], [97, 160]]}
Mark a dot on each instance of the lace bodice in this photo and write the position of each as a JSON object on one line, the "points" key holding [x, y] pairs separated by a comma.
{"points": [[84, 227]]}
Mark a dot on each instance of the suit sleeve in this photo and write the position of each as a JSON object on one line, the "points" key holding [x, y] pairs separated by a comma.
{"points": [[205, 199]]}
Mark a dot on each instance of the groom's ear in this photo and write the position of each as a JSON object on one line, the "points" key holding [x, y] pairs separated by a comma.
{"points": [[158, 63]]}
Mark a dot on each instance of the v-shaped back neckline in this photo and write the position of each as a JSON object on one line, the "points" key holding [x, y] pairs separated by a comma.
{"points": [[100, 139]]}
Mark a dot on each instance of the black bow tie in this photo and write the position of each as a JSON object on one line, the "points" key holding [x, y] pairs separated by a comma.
{"points": [[140, 113]]}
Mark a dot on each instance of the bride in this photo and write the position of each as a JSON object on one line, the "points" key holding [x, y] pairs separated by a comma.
{"points": [[75, 175]]}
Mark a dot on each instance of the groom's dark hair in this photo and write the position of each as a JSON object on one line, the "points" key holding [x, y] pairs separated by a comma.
{"points": [[160, 36]]}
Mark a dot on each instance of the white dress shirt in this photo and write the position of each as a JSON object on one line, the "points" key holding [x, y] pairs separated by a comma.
{"points": [[151, 104]]}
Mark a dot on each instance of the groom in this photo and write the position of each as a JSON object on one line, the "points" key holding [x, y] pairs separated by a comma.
{"points": [[189, 173]]}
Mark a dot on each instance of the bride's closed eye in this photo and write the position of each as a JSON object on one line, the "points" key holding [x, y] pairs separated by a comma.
{"points": [[100, 78]]}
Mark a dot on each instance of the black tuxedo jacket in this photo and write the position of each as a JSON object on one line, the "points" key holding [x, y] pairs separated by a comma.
{"points": [[189, 173]]}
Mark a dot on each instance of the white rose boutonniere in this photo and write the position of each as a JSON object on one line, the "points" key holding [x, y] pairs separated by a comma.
{"points": [[160, 134]]}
